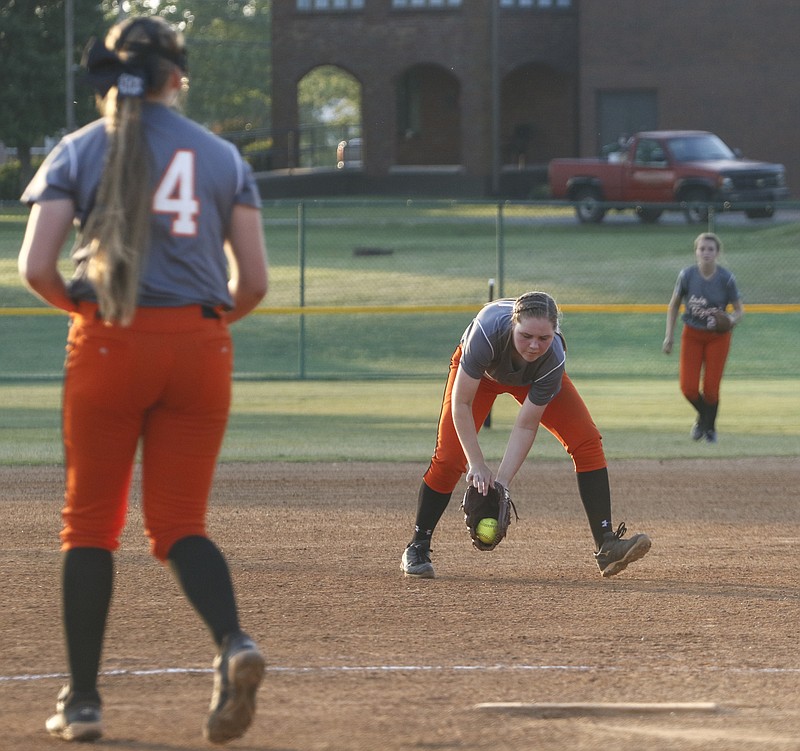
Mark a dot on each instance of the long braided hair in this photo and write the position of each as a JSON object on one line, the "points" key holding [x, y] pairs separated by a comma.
{"points": [[136, 59]]}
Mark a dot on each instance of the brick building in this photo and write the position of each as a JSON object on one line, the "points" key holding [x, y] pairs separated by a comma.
{"points": [[476, 96]]}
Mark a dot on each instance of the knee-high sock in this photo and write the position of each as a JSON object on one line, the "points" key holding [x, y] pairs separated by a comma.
{"points": [[711, 416], [596, 498], [204, 576], [430, 507], [87, 583], [701, 405]]}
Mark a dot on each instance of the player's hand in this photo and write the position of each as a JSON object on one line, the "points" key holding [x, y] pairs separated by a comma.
{"points": [[666, 347], [480, 477]]}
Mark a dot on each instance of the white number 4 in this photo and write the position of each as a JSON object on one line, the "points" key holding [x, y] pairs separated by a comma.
{"points": [[175, 194]]}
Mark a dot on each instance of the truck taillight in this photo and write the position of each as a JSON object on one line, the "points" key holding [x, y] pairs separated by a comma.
{"points": [[726, 184]]}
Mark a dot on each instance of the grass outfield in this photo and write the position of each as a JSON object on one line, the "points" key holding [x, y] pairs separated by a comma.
{"points": [[337, 421], [419, 345], [444, 253]]}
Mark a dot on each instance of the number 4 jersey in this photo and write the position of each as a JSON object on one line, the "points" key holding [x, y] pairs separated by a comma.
{"points": [[196, 180]]}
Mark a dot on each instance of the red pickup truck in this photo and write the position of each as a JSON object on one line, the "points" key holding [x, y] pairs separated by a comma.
{"points": [[689, 170]]}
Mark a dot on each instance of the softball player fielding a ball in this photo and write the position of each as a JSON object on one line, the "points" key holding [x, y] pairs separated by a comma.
{"points": [[706, 289], [170, 251], [516, 347]]}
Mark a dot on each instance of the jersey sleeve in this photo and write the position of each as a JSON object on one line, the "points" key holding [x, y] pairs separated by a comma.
{"points": [[733, 290], [681, 285], [247, 193], [55, 178], [477, 350]]}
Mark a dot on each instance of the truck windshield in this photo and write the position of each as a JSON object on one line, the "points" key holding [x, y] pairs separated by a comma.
{"points": [[699, 148]]}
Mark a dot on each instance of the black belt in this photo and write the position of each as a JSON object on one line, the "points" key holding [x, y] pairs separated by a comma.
{"points": [[206, 311]]}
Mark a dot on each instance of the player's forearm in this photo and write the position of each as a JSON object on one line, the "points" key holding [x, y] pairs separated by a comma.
{"points": [[519, 446], [247, 256], [672, 318], [244, 301], [48, 226], [50, 288], [467, 435]]}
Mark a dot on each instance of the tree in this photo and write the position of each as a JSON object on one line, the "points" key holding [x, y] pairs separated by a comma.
{"points": [[229, 58], [33, 61], [330, 95], [329, 103]]}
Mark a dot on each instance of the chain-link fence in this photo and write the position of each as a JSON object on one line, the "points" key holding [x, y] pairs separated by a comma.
{"points": [[384, 288]]}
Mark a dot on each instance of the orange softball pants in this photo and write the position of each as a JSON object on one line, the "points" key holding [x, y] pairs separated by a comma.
{"points": [[165, 379], [703, 352], [566, 417]]}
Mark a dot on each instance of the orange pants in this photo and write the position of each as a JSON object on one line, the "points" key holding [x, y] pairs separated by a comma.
{"points": [[566, 417], [166, 380], [706, 352]]}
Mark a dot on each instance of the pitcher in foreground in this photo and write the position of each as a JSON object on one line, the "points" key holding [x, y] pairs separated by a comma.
{"points": [[170, 251]]}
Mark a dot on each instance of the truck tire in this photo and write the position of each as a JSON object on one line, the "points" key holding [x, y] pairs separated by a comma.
{"points": [[695, 205], [648, 215], [764, 213], [588, 207]]}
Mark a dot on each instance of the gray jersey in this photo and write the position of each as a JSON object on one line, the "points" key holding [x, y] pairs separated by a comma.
{"points": [[488, 350], [197, 178], [702, 296]]}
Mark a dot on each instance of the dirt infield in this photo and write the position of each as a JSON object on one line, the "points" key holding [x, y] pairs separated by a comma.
{"points": [[362, 659]]}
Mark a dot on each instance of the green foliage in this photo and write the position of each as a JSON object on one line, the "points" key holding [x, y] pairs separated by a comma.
{"points": [[259, 154], [229, 59], [329, 95], [10, 181], [329, 103], [33, 62]]}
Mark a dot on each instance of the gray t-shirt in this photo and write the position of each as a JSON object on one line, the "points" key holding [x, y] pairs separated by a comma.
{"points": [[488, 350], [197, 178], [702, 296]]}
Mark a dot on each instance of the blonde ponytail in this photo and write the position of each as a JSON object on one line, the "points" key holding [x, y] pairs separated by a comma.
{"points": [[116, 234], [141, 54]]}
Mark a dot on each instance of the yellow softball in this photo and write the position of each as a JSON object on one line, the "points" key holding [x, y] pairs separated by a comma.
{"points": [[486, 530]]}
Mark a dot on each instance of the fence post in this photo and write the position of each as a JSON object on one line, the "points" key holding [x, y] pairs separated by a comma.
{"points": [[499, 250], [301, 253], [712, 219], [487, 423]]}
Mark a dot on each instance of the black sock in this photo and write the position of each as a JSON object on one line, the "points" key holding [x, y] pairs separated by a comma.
{"points": [[430, 507], [596, 497], [203, 574], [711, 416], [701, 406], [87, 582]]}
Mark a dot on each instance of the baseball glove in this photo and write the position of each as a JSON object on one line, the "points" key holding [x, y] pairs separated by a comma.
{"points": [[722, 321], [496, 504]]}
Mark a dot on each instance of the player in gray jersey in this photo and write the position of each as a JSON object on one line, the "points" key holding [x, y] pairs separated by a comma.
{"points": [[707, 290], [516, 347], [170, 251]]}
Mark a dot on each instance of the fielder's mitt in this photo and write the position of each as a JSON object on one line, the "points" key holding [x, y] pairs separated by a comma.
{"points": [[722, 321], [496, 504]]}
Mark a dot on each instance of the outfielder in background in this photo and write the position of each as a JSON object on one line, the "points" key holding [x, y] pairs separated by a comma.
{"points": [[516, 347], [170, 251], [706, 289]]}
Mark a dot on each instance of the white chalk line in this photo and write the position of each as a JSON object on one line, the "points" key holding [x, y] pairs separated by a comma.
{"points": [[389, 669]]}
